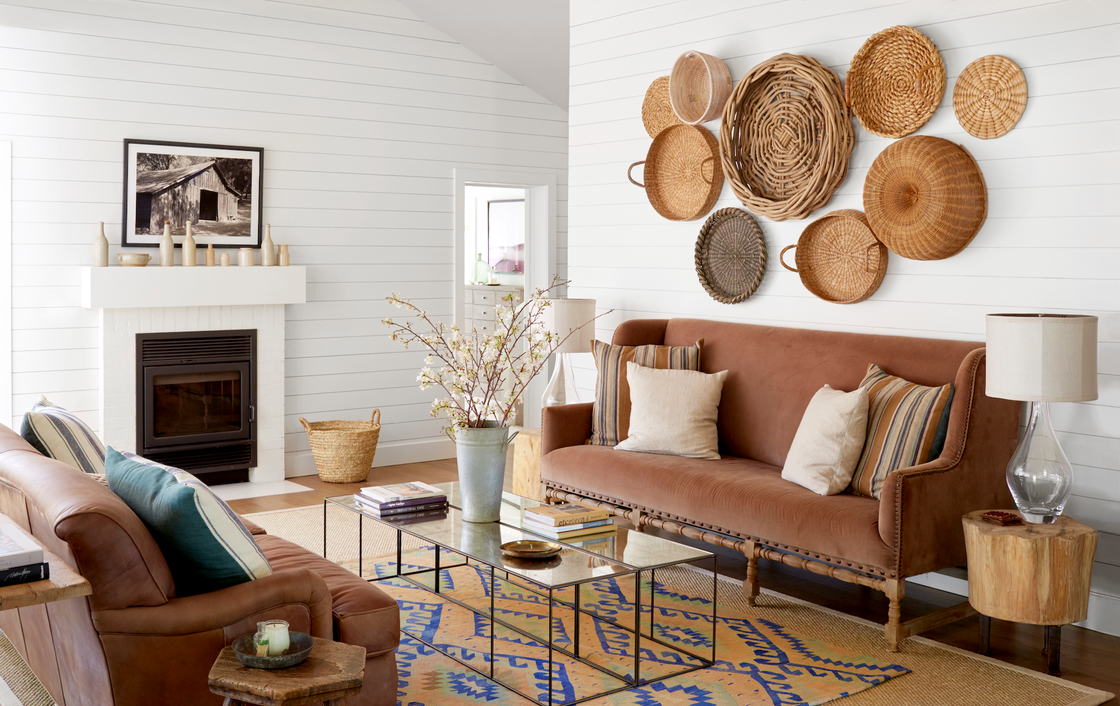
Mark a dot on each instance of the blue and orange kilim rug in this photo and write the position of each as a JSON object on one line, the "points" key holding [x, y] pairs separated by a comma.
{"points": [[758, 660]]}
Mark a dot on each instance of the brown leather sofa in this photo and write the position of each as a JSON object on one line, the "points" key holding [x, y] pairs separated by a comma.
{"points": [[133, 641], [741, 501]]}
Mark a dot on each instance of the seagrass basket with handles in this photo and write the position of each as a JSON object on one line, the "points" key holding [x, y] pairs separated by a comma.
{"points": [[838, 258], [344, 449]]}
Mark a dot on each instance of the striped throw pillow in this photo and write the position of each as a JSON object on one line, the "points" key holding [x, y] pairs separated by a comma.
{"points": [[610, 420], [58, 433], [204, 542], [906, 426]]}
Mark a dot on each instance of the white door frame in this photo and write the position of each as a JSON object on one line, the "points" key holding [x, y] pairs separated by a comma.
{"points": [[540, 240], [6, 411]]}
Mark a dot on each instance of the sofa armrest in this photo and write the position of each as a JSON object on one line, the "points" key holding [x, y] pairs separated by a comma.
{"points": [[921, 506], [300, 589], [565, 425], [253, 527]]}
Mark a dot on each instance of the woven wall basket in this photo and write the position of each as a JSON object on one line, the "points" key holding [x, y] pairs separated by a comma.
{"points": [[838, 258], [657, 111], [698, 87], [895, 82], [990, 97], [730, 255], [683, 176], [925, 198], [786, 137]]}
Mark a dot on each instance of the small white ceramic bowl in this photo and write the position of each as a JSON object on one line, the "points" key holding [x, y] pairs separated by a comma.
{"points": [[133, 259]]}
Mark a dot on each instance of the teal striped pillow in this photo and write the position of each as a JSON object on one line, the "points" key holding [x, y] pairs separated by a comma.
{"points": [[58, 433], [204, 542]]}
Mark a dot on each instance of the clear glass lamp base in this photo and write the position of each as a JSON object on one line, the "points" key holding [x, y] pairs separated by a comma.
{"points": [[1039, 474]]}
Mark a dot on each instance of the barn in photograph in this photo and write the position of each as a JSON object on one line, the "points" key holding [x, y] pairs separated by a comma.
{"points": [[195, 193]]}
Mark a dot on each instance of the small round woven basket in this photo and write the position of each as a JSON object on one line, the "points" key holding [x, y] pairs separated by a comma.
{"points": [[657, 111], [990, 97], [925, 198], [698, 87], [838, 258], [730, 255], [343, 450], [786, 137], [895, 82], [683, 176]]}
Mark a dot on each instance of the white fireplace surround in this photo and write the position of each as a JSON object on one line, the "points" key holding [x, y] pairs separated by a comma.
{"points": [[176, 299]]}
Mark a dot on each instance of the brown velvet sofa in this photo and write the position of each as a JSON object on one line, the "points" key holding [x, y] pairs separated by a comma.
{"points": [[133, 641], [741, 501]]}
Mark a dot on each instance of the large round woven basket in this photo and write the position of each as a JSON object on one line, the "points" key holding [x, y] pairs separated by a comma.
{"points": [[698, 87], [657, 110], [925, 198], [683, 176], [895, 82], [786, 137], [343, 450], [990, 97], [730, 255], [838, 258]]}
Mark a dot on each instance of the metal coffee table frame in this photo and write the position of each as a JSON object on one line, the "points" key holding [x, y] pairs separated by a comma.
{"points": [[550, 592]]}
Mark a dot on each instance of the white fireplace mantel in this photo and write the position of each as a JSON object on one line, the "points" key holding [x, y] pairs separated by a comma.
{"points": [[161, 287]]}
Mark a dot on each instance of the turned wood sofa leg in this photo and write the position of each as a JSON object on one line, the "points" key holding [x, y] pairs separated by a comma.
{"points": [[894, 629], [750, 585]]}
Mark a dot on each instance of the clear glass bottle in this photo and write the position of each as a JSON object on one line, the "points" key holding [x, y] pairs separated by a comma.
{"points": [[481, 271], [1039, 474], [260, 639]]}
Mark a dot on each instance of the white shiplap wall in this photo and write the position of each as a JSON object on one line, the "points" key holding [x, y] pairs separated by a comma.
{"points": [[363, 112], [1049, 244]]}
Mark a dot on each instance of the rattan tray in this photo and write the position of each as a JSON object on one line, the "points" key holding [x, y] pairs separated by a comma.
{"points": [[895, 82], [990, 97], [683, 176], [925, 198], [657, 111], [838, 258], [730, 255]]}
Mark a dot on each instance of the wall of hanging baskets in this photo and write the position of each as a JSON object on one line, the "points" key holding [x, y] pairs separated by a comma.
{"points": [[786, 135]]}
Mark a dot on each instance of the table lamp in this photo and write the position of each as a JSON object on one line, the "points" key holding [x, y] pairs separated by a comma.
{"points": [[561, 317], [1041, 358]]}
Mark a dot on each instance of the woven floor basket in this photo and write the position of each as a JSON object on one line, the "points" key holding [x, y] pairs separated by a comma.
{"points": [[990, 97], [343, 450], [698, 87], [786, 137], [683, 176], [895, 82], [838, 258], [657, 111], [925, 198], [730, 255]]}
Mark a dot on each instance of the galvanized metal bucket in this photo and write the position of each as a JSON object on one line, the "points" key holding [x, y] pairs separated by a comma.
{"points": [[481, 456]]}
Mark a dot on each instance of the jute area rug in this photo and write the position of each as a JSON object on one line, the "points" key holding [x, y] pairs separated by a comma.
{"points": [[792, 645]]}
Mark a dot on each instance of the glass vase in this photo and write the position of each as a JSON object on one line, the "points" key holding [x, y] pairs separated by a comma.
{"points": [[1039, 474]]}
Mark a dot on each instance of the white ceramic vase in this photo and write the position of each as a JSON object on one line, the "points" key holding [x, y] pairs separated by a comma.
{"points": [[100, 248], [481, 456], [190, 248], [245, 257], [268, 251], [166, 247]]}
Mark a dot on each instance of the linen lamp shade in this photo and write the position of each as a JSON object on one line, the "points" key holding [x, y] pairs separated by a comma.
{"points": [[1042, 357], [564, 316]]}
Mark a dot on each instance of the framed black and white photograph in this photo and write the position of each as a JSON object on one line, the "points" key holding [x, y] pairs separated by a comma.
{"points": [[215, 188]]}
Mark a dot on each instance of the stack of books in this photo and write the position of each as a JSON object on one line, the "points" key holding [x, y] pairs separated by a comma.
{"points": [[21, 557], [403, 503], [567, 520]]}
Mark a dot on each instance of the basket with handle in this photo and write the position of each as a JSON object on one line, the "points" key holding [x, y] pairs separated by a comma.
{"points": [[838, 258], [344, 449], [683, 175]]}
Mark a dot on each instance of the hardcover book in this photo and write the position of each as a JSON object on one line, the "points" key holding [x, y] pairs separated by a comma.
{"points": [[551, 533], [38, 571], [412, 517], [529, 522], [17, 548], [370, 501], [402, 491], [381, 512], [565, 514]]}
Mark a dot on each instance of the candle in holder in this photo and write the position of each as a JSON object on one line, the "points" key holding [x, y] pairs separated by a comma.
{"points": [[278, 639]]}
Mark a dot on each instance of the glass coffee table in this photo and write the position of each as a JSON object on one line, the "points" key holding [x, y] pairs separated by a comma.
{"points": [[628, 558]]}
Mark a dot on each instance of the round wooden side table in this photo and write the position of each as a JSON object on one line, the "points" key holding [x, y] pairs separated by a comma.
{"points": [[1029, 573], [332, 672]]}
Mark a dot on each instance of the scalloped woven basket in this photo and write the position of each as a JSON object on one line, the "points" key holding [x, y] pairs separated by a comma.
{"points": [[990, 97], [730, 255], [786, 137], [925, 198], [838, 258], [657, 111], [895, 82], [683, 176]]}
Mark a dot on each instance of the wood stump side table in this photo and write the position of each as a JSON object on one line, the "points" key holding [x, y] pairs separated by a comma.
{"points": [[1029, 573], [527, 464], [332, 672]]}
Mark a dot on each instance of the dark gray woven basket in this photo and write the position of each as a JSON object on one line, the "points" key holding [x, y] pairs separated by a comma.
{"points": [[730, 255]]}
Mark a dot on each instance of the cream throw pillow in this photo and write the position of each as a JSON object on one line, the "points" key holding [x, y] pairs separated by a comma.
{"points": [[673, 412], [829, 441]]}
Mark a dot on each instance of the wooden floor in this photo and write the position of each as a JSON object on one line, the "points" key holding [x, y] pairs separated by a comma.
{"points": [[1088, 657]]}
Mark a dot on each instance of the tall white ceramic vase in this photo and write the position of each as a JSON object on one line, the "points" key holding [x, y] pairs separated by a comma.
{"points": [[190, 248], [268, 250], [166, 247], [481, 456], [100, 247]]}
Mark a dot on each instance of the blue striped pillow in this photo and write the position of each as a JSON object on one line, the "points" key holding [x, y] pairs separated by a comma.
{"points": [[58, 433]]}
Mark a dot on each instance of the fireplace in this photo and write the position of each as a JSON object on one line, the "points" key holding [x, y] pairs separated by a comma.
{"points": [[196, 402]]}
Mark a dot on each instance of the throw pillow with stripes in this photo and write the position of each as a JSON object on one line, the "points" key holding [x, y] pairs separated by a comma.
{"points": [[58, 433], [906, 425], [610, 420]]}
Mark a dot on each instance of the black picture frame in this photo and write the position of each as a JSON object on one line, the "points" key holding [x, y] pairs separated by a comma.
{"points": [[217, 188]]}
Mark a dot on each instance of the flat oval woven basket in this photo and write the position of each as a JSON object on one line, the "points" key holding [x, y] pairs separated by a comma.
{"points": [[343, 449], [657, 110], [925, 198], [683, 176], [730, 255], [838, 258], [786, 137], [895, 82], [990, 97], [698, 87]]}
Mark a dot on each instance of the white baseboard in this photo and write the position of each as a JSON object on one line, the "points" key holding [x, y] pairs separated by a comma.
{"points": [[301, 463], [947, 580]]}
